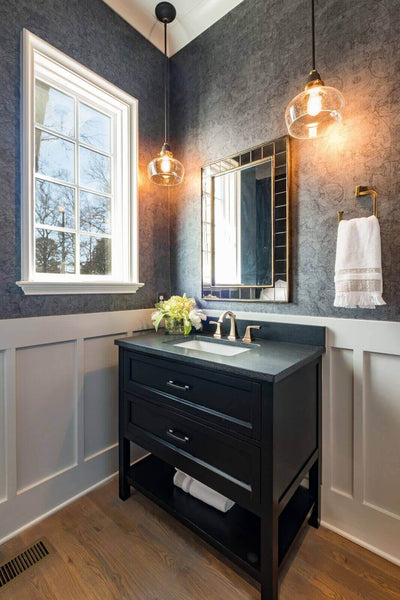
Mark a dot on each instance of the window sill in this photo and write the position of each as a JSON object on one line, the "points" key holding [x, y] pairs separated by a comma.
{"points": [[39, 288]]}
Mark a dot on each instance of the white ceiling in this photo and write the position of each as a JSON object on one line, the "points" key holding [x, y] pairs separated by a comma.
{"points": [[192, 18]]}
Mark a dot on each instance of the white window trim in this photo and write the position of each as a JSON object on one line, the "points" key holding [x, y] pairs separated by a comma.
{"points": [[31, 282]]}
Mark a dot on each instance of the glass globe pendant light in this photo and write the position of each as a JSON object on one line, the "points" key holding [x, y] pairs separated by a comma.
{"points": [[165, 169], [312, 112]]}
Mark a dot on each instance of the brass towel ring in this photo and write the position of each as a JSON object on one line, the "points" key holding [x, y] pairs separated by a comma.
{"points": [[362, 190]]}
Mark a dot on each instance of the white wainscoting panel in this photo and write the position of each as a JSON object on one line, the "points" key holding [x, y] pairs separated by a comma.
{"points": [[382, 432], [46, 405], [341, 417], [100, 394], [3, 461], [58, 410], [361, 429]]}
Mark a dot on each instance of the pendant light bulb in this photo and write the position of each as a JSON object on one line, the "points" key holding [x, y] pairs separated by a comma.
{"points": [[314, 105], [165, 169], [312, 113], [165, 165]]}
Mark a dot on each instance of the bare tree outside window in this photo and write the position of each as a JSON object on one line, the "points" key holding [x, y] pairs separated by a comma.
{"points": [[55, 251], [95, 255], [49, 198]]}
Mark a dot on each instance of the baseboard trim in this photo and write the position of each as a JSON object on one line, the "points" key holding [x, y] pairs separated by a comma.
{"points": [[361, 543]]}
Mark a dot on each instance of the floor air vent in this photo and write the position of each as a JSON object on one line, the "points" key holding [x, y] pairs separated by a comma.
{"points": [[11, 569]]}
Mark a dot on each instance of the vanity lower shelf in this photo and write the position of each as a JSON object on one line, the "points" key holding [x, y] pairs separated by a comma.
{"points": [[236, 533]]}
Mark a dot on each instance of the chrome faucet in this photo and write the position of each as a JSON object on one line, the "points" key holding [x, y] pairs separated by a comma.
{"points": [[233, 336]]}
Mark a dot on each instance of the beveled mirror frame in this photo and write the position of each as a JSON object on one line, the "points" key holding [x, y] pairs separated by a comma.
{"points": [[278, 152]]}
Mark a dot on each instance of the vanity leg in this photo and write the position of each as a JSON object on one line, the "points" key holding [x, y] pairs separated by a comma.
{"points": [[314, 475], [315, 490], [124, 463], [269, 558], [124, 448]]}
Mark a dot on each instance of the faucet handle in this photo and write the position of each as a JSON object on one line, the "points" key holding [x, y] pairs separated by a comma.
{"points": [[233, 334], [247, 335], [217, 333]]}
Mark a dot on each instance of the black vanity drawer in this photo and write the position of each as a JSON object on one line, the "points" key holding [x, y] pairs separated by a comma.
{"points": [[229, 402], [226, 464]]}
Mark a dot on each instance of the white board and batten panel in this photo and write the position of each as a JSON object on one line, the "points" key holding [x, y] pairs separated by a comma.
{"points": [[3, 455], [361, 429], [341, 417], [100, 402], [100, 383], [58, 409], [45, 412], [382, 433]]}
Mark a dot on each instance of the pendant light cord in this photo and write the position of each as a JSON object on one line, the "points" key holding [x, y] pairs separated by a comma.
{"points": [[166, 86], [313, 33]]}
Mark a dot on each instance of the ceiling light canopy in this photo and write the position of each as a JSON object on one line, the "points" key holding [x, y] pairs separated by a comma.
{"points": [[165, 169], [313, 112]]}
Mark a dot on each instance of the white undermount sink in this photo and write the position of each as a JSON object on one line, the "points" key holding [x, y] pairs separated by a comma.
{"points": [[211, 347]]}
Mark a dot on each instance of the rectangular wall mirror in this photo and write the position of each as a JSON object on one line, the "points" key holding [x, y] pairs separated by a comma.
{"points": [[245, 225]]}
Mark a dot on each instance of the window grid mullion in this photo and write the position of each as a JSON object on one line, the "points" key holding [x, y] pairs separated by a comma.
{"points": [[72, 185], [73, 139], [73, 231]]}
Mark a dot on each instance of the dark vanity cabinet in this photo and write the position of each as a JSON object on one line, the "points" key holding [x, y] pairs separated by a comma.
{"points": [[251, 435]]}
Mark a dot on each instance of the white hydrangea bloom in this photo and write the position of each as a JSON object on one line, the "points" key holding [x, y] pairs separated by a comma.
{"points": [[196, 316]]}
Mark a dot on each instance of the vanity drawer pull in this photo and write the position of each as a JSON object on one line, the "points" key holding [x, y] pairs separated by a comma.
{"points": [[178, 436], [178, 386]]}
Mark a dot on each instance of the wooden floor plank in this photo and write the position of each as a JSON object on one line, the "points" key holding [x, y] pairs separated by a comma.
{"points": [[347, 566], [297, 587], [105, 549], [367, 558]]}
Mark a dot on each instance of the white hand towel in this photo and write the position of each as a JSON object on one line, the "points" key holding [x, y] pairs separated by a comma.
{"points": [[358, 269], [206, 494], [202, 492], [181, 480]]}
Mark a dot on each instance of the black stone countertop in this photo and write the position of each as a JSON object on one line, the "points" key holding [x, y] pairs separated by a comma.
{"points": [[266, 360]]}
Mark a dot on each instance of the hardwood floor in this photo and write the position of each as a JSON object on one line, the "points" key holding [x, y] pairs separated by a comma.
{"points": [[106, 549]]}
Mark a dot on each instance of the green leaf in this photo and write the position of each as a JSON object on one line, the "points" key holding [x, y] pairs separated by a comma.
{"points": [[158, 321]]}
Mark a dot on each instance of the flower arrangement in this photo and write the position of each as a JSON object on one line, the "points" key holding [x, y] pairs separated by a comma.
{"points": [[179, 313]]}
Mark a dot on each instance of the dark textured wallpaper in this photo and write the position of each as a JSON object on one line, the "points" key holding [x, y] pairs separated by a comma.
{"points": [[230, 87], [90, 32]]}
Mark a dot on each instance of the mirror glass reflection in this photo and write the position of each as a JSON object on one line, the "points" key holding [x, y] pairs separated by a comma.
{"points": [[242, 232]]}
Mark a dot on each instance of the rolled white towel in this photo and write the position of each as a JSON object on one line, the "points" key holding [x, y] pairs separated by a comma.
{"points": [[182, 480], [202, 492], [179, 478], [209, 496]]}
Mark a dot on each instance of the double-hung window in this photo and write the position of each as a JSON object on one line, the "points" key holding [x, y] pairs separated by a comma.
{"points": [[79, 178]]}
